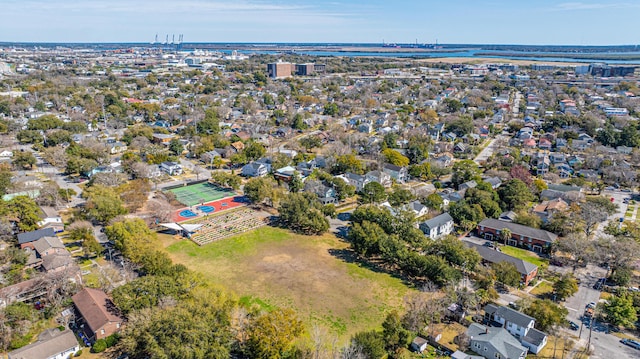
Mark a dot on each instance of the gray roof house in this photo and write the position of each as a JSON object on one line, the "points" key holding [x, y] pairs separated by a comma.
{"points": [[518, 324], [398, 173], [527, 270], [28, 237], [355, 180], [254, 169], [491, 342], [438, 226], [52, 343]]}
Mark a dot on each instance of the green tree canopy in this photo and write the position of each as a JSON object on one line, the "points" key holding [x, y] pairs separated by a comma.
{"points": [[506, 273], [514, 194], [546, 313], [271, 335], [565, 287], [301, 212], [395, 158], [373, 192], [103, 203]]}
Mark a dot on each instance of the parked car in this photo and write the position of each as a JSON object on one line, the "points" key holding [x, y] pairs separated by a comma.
{"points": [[632, 343], [573, 326]]}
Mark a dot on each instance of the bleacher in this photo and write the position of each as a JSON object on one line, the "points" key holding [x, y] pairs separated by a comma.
{"points": [[227, 225]]}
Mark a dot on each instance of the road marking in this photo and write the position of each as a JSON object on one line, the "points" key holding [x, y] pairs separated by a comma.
{"points": [[575, 310]]}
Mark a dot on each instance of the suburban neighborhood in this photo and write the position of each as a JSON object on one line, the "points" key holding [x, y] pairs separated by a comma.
{"points": [[367, 207]]}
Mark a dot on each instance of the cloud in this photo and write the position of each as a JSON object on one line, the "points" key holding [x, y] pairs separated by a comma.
{"points": [[575, 6]]}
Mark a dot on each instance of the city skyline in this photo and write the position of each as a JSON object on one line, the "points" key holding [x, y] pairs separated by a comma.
{"points": [[544, 22]]}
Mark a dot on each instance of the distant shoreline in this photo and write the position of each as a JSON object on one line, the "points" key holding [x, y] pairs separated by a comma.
{"points": [[594, 57]]}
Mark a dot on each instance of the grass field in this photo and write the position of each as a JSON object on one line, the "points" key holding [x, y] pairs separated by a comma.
{"points": [[525, 255], [271, 267], [194, 194]]}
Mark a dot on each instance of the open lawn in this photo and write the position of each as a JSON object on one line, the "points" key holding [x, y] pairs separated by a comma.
{"points": [[542, 289], [554, 348], [525, 255], [272, 267]]}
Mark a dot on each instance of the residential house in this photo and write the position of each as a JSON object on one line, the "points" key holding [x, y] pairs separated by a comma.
{"points": [[570, 194], [237, 146], [51, 344], [544, 144], [254, 169], [285, 173], [438, 226], [171, 168], [528, 271], [97, 312], [518, 324], [355, 180], [26, 239], [417, 208], [419, 344], [465, 186], [509, 216], [547, 209], [398, 173], [537, 240], [494, 343], [495, 182], [52, 222], [162, 138], [624, 150], [580, 145], [116, 147], [561, 143], [379, 176], [325, 193]]}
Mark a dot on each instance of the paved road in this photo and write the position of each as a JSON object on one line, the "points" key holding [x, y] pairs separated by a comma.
{"points": [[516, 104], [604, 345], [488, 151]]}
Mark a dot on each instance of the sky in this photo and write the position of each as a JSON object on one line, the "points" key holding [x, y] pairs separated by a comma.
{"points": [[536, 22]]}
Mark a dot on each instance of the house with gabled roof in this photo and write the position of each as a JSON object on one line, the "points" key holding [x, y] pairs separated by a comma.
{"points": [[528, 271], [518, 324], [492, 342], [52, 343], [97, 314], [438, 226]]}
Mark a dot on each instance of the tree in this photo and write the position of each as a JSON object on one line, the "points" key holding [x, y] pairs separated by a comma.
{"points": [[103, 203], [373, 192], [393, 333], [464, 171], [546, 313], [372, 344], [521, 173], [505, 235], [330, 109], [506, 273], [395, 158], [301, 212], [176, 147], [5, 178], [271, 335], [310, 142], [400, 196], [259, 189], [348, 163], [225, 179], [433, 201], [565, 287], [514, 194], [366, 237], [452, 105], [296, 185], [594, 211], [254, 151], [82, 232], [23, 159], [620, 311]]}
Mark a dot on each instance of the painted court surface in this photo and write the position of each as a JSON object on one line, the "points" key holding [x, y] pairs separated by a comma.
{"points": [[195, 211], [200, 193]]}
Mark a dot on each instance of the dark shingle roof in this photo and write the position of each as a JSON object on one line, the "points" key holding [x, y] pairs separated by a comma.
{"points": [[510, 315], [519, 229], [50, 343], [27, 237], [437, 221], [493, 256], [534, 336], [499, 338]]}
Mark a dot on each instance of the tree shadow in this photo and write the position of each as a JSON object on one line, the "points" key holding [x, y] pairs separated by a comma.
{"points": [[377, 266]]}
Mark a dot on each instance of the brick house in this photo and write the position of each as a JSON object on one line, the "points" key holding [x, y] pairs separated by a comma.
{"points": [[97, 313], [533, 239]]}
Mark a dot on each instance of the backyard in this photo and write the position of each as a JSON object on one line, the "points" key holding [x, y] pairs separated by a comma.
{"points": [[314, 275], [525, 255]]}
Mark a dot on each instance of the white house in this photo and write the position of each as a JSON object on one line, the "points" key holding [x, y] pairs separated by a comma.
{"points": [[51, 344], [171, 168], [519, 325], [438, 226]]}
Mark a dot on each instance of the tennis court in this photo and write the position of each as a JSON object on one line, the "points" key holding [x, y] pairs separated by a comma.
{"points": [[194, 194]]}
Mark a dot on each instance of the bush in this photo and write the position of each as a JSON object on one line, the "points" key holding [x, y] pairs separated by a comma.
{"points": [[112, 340], [78, 353], [99, 346]]}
